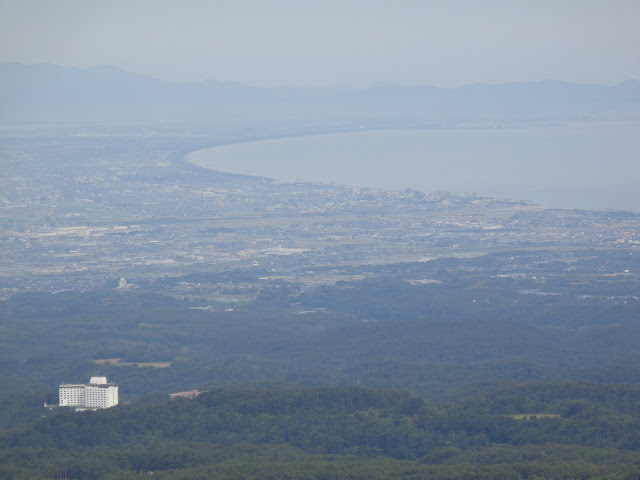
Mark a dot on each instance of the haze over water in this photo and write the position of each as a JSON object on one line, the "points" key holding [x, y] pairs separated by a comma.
{"points": [[584, 166]]}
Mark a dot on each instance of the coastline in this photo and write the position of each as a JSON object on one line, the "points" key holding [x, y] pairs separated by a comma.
{"points": [[560, 166]]}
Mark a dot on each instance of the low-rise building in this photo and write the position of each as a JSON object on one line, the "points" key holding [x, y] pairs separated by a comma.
{"points": [[189, 394]]}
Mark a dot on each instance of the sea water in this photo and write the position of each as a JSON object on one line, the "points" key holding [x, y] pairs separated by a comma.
{"points": [[587, 165]]}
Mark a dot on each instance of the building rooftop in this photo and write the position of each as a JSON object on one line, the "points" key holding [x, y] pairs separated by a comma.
{"points": [[93, 381]]}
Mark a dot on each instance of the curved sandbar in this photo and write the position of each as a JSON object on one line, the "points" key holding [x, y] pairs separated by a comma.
{"points": [[584, 165]]}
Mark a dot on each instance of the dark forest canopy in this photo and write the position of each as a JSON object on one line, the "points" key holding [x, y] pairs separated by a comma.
{"points": [[335, 433], [466, 327]]}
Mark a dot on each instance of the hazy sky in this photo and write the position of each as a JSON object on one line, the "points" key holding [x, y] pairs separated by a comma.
{"points": [[327, 42]]}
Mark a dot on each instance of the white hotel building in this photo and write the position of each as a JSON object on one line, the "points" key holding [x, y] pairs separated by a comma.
{"points": [[95, 394]]}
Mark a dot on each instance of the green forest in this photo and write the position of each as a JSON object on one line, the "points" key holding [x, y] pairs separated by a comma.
{"points": [[579, 431], [470, 375]]}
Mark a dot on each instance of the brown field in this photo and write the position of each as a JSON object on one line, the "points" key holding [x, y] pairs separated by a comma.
{"points": [[119, 363], [528, 416], [103, 361], [153, 364]]}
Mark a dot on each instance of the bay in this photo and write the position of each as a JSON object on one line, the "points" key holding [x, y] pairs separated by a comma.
{"points": [[588, 165]]}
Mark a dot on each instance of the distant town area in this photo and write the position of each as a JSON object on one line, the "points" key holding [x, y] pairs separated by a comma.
{"points": [[90, 209]]}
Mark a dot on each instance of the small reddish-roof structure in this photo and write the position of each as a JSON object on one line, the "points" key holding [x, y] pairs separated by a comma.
{"points": [[189, 394]]}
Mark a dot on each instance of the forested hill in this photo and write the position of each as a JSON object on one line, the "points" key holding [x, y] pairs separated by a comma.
{"points": [[585, 431]]}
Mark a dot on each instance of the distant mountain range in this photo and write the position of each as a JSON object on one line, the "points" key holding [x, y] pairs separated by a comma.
{"points": [[51, 93]]}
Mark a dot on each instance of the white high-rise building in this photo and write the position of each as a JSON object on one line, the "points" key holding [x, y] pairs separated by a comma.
{"points": [[95, 394]]}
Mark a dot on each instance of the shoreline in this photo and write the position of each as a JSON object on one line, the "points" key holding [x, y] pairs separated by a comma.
{"points": [[574, 166]]}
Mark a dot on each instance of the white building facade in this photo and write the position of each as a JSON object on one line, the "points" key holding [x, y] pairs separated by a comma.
{"points": [[95, 394]]}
